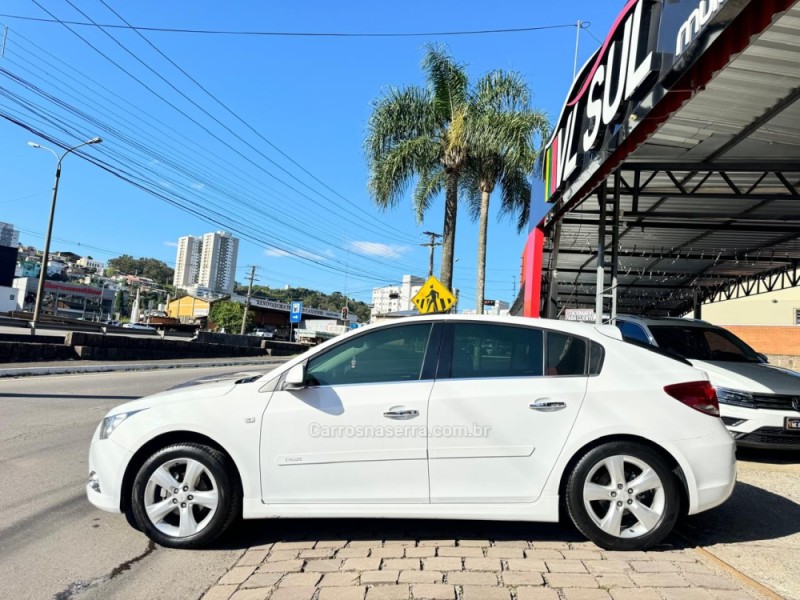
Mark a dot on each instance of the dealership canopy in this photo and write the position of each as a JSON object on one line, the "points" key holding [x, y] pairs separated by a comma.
{"points": [[674, 168]]}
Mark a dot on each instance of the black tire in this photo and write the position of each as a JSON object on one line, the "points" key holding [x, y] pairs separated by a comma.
{"points": [[662, 500], [218, 475]]}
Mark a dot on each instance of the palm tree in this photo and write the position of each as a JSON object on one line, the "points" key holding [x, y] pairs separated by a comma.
{"points": [[502, 152], [422, 132]]}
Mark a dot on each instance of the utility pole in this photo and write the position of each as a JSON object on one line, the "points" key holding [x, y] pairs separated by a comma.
{"points": [[431, 244], [249, 294]]}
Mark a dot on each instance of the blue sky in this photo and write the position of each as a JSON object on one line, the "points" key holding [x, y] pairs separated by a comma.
{"points": [[309, 97]]}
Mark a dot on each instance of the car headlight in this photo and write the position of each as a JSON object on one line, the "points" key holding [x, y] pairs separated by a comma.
{"points": [[735, 397], [109, 424]]}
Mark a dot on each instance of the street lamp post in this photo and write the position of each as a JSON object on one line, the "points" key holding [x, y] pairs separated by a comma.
{"points": [[45, 257]]}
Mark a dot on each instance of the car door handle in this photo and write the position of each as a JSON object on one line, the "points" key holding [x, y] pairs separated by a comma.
{"points": [[400, 413], [547, 405]]}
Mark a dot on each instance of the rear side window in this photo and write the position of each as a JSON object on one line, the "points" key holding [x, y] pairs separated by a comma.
{"points": [[483, 350], [596, 356], [566, 355]]}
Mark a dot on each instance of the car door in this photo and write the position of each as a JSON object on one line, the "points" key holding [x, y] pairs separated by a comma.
{"points": [[356, 432], [504, 401]]}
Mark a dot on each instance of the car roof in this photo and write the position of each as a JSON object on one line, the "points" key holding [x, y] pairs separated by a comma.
{"points": [[666, 321], [589, 330]]}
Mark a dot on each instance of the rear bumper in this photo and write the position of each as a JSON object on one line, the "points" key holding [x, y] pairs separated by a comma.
{"points": [[710, 469]]}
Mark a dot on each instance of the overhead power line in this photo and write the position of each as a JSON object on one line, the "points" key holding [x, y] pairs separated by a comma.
{"points": [[330, 34], [250, 127]]}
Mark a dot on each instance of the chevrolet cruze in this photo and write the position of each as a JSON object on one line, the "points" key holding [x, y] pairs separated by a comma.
{"points": [[431, 417]]}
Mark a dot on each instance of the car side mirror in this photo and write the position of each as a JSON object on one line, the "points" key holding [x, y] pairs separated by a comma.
{"points": [[295, 378], [762, 357]]}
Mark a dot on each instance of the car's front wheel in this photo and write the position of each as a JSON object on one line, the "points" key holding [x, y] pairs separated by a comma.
{"points": [[623, 496], [185, 495]]}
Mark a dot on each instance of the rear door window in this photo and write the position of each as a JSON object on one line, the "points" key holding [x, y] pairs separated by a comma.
{"points": [[566, 355], [483, 350]]}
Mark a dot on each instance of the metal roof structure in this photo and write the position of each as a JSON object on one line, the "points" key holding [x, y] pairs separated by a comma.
{"points": [[693, 194]]}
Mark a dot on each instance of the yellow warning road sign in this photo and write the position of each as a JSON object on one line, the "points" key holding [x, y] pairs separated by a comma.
{"points": [[433, 297]]}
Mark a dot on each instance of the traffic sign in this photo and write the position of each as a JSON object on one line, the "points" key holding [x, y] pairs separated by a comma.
{"points": [[433, 297], [296, 314]]}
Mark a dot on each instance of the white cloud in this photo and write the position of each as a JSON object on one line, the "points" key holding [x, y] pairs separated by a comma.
{"points": [[171, 244], [378, 249], [198, 186]]}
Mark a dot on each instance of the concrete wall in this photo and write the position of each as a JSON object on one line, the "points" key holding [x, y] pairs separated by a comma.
{"points": [[18, 352], [229, 339], [92, 346], [775, 308]]}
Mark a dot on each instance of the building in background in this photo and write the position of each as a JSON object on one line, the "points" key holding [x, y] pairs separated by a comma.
{"points": [[9, 247], [218, 262], [8, 235], [396, 298], [207, 263], [187, 261], [497, 308], [87, 262]]}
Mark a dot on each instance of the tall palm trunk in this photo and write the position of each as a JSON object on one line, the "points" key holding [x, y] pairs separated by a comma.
{"points": [[484, 225], [449, 228]]}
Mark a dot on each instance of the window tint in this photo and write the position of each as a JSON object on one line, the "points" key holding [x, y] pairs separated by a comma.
{"points": [[700, 343], [631, 331], [566, 355], [484, 350], [393, 354], [596, 356]]}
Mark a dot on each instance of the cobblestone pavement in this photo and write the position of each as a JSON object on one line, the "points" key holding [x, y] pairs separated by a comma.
{"points": [[463, 562]]}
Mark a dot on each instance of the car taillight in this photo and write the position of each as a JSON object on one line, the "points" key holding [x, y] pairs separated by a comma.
{"points": [[700, 395]]}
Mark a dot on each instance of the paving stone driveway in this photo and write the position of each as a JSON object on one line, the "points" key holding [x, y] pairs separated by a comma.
{"points": [[531, 563]]}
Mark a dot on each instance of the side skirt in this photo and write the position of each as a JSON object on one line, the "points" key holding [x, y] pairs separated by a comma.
{"points": [[545, 510]]}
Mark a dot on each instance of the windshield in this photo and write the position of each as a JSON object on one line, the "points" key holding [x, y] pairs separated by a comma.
{"points": [[701, 343]]}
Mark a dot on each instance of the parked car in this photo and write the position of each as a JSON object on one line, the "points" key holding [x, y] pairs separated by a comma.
{"points": [[138, 326], [759, 403], [265, 332], [417, 419]]}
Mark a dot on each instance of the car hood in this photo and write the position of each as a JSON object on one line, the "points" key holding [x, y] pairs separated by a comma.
{"points": [[207, 387], [751, 377]]}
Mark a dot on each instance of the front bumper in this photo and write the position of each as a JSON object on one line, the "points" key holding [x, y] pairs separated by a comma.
{"points": [[761, 428], [107, 462]]}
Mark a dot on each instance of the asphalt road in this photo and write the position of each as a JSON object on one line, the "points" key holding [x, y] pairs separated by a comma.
{"points": [[53, 543]]}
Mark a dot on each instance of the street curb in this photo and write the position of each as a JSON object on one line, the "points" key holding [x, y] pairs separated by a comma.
{"points": [[77, 369]]}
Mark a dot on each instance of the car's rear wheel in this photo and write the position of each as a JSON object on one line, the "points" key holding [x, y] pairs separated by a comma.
{"points": [[185, 496], [623, 496]]}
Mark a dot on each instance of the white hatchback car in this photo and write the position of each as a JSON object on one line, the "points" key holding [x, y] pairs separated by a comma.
{"points": [[760, 403], [430, 417]]}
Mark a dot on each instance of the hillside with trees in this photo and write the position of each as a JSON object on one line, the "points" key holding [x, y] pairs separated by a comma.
{"points": [[152, 268]]}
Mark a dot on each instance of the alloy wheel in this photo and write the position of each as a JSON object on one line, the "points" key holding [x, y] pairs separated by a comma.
{"points": [[181, 497], [624, 496]]}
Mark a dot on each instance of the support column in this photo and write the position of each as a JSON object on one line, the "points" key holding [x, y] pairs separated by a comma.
{"points": [[531, 276], [615, 246], [601, 253], [698, 305]]}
